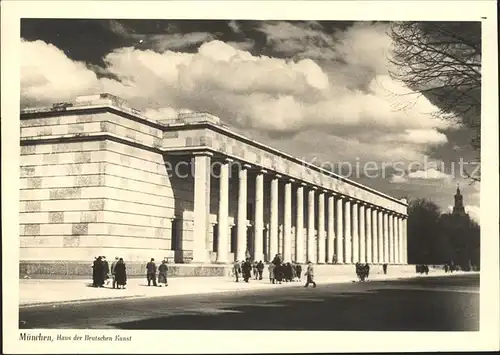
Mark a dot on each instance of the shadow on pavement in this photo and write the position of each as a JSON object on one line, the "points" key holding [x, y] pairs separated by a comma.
{"points": [[380, 309]]}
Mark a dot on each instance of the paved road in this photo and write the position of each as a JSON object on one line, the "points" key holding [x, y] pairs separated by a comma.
{"points": [[433, 304]]}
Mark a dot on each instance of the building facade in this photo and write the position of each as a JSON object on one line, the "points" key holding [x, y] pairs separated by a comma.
{"points": [[99, 178]]}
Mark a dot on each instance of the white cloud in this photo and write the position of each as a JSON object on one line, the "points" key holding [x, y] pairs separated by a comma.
{"points": [[429, 174], [49, 76], [398, 179]]}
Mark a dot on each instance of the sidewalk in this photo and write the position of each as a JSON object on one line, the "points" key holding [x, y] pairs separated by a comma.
{"points": [[47, 292]]}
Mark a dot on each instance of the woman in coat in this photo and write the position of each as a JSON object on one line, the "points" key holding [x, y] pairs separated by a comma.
{"points": [[121, 273], [162, 273]]}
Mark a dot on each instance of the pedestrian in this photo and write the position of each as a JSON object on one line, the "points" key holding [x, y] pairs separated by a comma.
{"points": [[237, 270], [94, 272], [247, 269], [260, 269], [151, 272], [384, 268], [98, 272], [120, 274], [162, 273], [255, 271], [105, 270], [271, 268], [310, 275], [298, 269], [113, 275], [367, 270]]}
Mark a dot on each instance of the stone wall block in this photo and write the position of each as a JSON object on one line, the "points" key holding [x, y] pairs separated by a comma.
{"points": [[71, 240], [34, 183], [56, 217], [31, 229], [63, 193], [76, 128], [50, 158], [83, 157], [86, 118], [170, 134], [88, 216], [33, 206], [28, 149], [80, 229], [96, 204]]}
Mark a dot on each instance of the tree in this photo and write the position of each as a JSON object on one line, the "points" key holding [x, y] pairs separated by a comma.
{"points": [[442, 61], [423, 231]]}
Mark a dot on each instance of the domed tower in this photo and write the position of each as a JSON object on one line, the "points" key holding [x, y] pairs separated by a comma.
{"points": [[458, 208]]}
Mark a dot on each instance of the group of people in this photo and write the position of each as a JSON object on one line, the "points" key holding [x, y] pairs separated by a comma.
{"points": [[151, 270], [422, 269], [278, 271], [362, 271], [101, 272]]}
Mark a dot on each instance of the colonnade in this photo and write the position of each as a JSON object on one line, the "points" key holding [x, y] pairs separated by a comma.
{"points": [[345, 230]]}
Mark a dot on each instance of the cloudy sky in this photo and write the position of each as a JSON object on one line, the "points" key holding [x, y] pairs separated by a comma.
{"points": [[318, 90]]}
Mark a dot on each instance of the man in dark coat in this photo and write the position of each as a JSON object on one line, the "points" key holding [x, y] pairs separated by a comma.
{"points": [[260, 269], [247, 269], [151, 272], [298, 270], [97, 272], [120, 273], [105, 270], [113, 264], [384, 268]]}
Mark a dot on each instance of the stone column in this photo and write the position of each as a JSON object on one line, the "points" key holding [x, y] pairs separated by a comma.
{"points": [[394, 233], [330, 236], [380, 236], [273, 242], [222, 223], [405, 240], [321, 228], [375, 235], [362, 235], [386, 237], [369, 235], [287, 223], [396, 239], [347, 232], [259, 217], [339, 237], [241, 226], [401, 244], [390, 235], [355, 232], [299, 229], [310, 225], [201, 174]]}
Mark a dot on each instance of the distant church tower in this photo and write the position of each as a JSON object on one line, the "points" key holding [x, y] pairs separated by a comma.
{"points": [[459, 209]]}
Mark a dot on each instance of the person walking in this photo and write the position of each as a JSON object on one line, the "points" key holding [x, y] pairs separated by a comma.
{"points": [[271, 268], [260, 269], [247, 269], [310, 275], [105, 270], [113, 274], [151, 272], [120, 274], [162, 273], [384, 268], [237, 270]]}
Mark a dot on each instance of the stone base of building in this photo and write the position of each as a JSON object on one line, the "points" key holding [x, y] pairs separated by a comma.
{"points": [[83, 270]]}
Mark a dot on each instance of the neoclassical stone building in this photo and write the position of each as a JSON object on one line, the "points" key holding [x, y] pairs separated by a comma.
{"points": [[100, 178]]}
